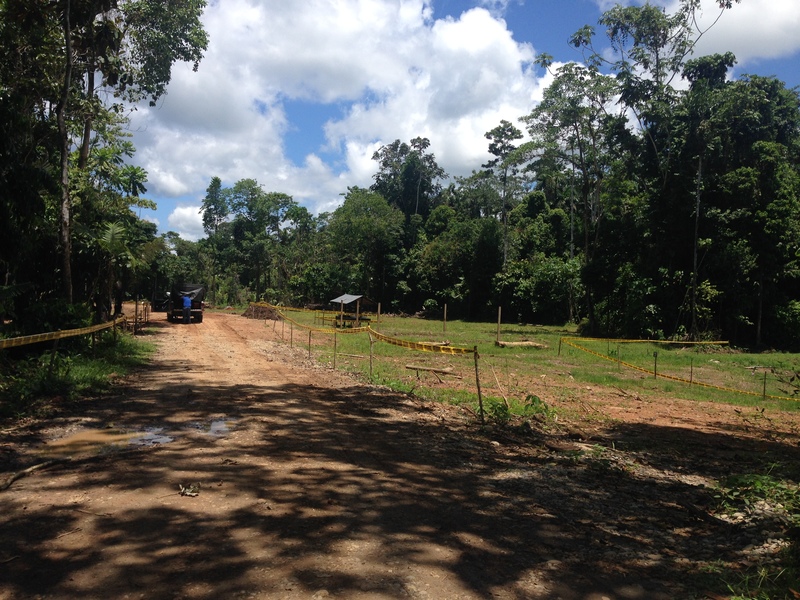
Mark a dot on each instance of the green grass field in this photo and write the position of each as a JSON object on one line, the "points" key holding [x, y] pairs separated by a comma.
{"points": [[717, 373]]}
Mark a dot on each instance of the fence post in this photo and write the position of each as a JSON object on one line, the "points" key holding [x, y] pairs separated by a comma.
{"points": [[444, 322], [309, 343], [291, 334], [371, 342], [499, 313], [478, 385], [655, 365], [764, 393], [334, 349]]}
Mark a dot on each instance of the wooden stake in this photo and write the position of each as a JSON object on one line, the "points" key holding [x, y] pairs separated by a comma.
{"points": [[371, 342], [478, 385]]}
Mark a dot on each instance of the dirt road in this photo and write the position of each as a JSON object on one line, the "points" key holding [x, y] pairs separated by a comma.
{"points": [[301, 483]]}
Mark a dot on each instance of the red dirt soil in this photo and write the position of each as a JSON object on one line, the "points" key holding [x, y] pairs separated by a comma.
{"points": [[305, 483]]}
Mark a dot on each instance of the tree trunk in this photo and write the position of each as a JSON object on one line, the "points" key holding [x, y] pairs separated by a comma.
{"points": [[66, 204], [83, 158], [694, 332], [760, 310]]}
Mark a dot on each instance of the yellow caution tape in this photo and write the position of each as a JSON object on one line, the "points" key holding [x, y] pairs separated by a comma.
{"points": [[421, 346], [281, 311], [570, 341], [26, 340], [671, 342]]}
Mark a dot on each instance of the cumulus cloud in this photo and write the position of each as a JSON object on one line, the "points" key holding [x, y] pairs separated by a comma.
{"points": [[752, 30], [395, 70], [188, 222]]}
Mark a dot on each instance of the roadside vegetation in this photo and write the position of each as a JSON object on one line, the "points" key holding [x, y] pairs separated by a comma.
{"points": [[38, 382]]}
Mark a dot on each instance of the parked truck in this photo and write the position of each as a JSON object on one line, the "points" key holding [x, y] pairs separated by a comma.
{"points": [[197, 294]]}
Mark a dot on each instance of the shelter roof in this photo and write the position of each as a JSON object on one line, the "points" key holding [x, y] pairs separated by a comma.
{"points": [[345, 299]]}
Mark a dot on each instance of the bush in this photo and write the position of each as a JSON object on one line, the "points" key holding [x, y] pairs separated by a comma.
{"points": [[51, 315]]}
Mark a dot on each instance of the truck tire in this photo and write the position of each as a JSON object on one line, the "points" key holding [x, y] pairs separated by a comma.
{"points": [[198, 318]]}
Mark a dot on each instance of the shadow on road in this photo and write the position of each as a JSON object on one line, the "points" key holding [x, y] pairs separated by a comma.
{"points": [[363, 493]]}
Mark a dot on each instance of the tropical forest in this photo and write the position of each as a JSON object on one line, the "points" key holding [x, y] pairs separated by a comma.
{"points": [[648, 195]]}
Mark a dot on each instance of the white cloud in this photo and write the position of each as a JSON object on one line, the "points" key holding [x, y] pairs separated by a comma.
{"points": [[752, 30], [188, 222], [395, 71]]}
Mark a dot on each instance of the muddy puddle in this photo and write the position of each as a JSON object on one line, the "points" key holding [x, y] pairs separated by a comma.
{"points": [[215, 428], [100, 441]]}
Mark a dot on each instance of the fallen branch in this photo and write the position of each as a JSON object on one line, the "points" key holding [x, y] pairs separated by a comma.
{"points": [[88, 512], [19, 475], [447, 371], [68, 532], [433, 370]]}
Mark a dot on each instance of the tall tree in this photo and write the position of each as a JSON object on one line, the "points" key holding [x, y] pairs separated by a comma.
{"points": [[215, 206], [649, 48], [571, 132], [501, 146], [408, 176], [216, 210], [132, 44], [366, 235]]}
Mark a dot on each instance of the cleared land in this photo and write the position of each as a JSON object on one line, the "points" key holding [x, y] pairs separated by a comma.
{"points": [[301, 482]]}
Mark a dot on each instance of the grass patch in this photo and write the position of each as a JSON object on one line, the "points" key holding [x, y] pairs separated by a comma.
{"points": [[645, 369], [776, 492], [36, 382]]}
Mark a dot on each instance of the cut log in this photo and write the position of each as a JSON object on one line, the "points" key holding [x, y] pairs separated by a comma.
{"points": [[433, 370], [447, 371], [537, 345]]}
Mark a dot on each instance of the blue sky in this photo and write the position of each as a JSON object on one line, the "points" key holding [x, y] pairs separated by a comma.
{"points": [[298, 95]]}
